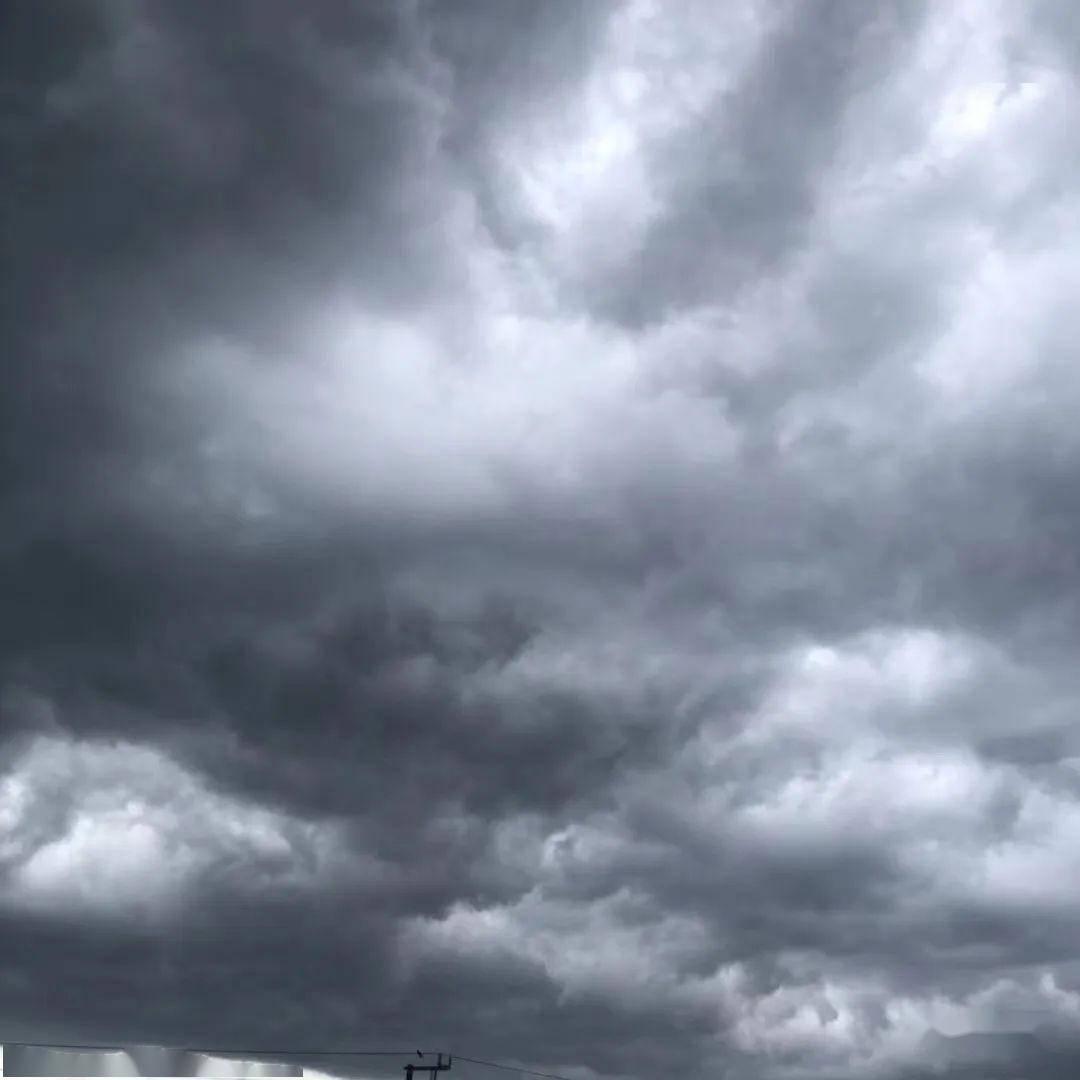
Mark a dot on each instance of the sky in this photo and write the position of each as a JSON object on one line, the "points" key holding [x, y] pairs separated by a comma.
{"points": [[543, 530]]}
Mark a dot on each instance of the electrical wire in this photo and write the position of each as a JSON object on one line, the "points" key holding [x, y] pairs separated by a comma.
{"points": [[264, 1052], [509, 1068], [246, 1051]]}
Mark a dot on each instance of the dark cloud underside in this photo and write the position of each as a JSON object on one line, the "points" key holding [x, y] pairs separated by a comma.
{"points": [[543, 530]]}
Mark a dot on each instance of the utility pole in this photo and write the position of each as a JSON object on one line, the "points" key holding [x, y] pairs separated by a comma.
{"points": [[433, 1069]]}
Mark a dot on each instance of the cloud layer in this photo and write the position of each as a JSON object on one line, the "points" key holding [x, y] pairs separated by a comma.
{"points": [[546, 531]]}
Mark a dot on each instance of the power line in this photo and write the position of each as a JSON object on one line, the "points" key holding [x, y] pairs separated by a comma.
{"points": [[510, 1068], [269, 1052], [249, 1051]]}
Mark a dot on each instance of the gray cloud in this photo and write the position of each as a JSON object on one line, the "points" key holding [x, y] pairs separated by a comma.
{"points": [[546, 532]]}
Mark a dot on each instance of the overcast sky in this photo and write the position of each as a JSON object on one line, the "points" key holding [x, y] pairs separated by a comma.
{"points": [[547, 529]]}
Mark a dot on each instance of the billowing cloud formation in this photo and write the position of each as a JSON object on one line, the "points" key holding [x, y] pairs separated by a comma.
{"points": [[546, 531]]}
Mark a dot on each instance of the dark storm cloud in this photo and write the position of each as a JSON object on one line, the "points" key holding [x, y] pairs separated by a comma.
{"points": [[173, 168], [546, 531], [498, 70], [740, 185]]}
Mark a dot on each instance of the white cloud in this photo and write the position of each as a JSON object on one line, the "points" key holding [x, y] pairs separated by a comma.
{"points": [[116, 829], [617, 944]]}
